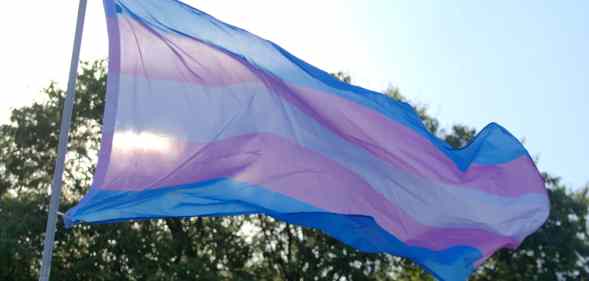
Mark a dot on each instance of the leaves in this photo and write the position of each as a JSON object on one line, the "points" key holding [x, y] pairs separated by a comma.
{"points": [[558, 251], [228, 248]]}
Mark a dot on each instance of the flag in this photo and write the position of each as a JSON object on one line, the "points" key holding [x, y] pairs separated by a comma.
{"points": [[206, 119]]}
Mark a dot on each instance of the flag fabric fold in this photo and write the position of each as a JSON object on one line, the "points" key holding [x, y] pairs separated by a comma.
{"points": [[206, 119]]}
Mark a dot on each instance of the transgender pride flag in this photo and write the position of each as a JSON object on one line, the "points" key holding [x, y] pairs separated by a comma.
{"points": [[203, 118]]}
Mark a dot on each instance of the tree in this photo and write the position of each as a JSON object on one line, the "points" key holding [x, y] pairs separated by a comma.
{"points": [[235, 248], [188, 249], [559, 250], [292, 252]]}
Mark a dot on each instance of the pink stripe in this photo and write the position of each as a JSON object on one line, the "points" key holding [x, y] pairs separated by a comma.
{"points": [[388, 140], [149, 54], [403, 148], [284, 167]]}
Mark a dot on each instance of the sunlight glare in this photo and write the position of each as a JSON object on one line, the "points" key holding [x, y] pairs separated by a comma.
{"points": [[145, 141]]}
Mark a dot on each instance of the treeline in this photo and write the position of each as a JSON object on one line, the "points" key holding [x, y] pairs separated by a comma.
{"points": [[232, 248]]}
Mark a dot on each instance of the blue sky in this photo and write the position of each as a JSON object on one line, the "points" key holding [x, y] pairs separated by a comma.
{"points": [[523, 64]]}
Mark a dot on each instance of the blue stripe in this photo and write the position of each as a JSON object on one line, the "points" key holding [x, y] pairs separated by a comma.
{"points": [[224, 197], [268, 115]]}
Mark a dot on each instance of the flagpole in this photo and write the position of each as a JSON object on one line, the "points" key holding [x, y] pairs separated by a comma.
{"points": [[62, 147]]}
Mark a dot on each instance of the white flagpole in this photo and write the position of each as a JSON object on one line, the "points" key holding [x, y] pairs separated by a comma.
{"points": [[62, 147]]}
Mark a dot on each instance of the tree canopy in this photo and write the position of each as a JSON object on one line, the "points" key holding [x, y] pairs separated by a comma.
{"points": [[229, 248]]}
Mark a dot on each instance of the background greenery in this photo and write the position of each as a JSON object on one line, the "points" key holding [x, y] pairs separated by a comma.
{"points": [[230, 248]]}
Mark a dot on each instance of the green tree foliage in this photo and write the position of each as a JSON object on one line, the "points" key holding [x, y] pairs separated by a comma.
{"points": [[188, 249], [236, 248], [294, 253], [558, 251]]}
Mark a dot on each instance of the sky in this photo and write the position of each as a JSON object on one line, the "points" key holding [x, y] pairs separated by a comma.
{"points": [[522, 64]]}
